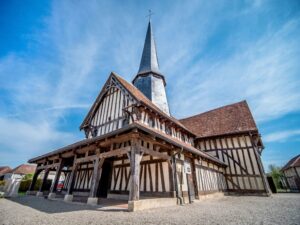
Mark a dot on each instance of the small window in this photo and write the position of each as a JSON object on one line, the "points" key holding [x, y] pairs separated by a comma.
{"points": [[94, 132], [151, 122], [125, 122], [168, 130]]}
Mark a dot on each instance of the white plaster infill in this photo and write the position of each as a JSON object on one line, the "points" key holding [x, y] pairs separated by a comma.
{"points": [[92, 201], [68, 198]]}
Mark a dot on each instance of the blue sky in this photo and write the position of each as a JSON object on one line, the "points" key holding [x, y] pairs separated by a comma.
{"points": [[56, 55]]}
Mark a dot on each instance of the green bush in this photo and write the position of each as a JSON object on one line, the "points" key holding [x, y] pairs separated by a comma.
{"points": [[2, 182], [25, 184]]}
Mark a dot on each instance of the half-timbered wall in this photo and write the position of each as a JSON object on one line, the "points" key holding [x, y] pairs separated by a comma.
{"points": [[210, 177], [110, 113], [83, 177], [153, 121], [243, 171], [154, 177], [293, 179]]}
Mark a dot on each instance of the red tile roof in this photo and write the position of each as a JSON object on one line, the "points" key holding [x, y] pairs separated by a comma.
{"points": [[294, 162], [4, 170], [24, 169], [229, 119]]}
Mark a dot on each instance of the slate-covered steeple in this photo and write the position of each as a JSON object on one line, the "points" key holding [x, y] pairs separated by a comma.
{"points": [[149, 61], [149, 79]]}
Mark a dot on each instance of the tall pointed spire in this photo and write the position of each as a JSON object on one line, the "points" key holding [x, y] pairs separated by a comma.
{"points": [[149, 80], [149, 61]]}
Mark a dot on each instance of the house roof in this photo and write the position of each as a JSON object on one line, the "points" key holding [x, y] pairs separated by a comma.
{"points": [[4, 170], [229, 119], [24, 169], [294, 162]]}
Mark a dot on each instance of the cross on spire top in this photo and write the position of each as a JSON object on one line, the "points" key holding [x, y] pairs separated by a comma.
{"points": [[150, 14]]}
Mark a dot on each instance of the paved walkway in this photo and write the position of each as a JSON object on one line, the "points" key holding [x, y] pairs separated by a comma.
{"points": [[278, 209]]}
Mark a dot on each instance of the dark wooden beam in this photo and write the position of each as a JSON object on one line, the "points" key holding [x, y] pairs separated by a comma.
{"points": [[98, 163], [135, 157]]}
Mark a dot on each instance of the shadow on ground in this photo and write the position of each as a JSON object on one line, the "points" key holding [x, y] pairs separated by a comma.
{"points": [[59, 206]]}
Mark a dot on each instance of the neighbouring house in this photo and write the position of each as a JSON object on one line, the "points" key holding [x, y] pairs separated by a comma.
{"points": [[4, 170], [135, 150], [291, 172], [13, 178]]}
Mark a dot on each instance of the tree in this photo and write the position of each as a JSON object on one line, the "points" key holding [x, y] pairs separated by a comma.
{"points": [[275, 172]]}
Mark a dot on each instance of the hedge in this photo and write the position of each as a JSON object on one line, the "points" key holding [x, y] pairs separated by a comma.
{"points": [[25, 184]]}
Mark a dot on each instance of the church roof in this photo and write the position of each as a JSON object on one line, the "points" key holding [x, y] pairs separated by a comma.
{"points": [[146, 101], [294, 162], [149, 61], [229, 119]]}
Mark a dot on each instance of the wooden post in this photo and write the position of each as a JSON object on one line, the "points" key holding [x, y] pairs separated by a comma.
{"points": [[98, 163], [42, 187], [174, 187], [195, 178], [261, 170], [135, 157], [33, 182], [56, 178], [72, 179]]}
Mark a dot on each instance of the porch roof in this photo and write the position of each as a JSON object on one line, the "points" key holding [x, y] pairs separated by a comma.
{"points": [[152, 131]]}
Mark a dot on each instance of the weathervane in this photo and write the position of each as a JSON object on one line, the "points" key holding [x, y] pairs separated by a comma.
{"points": [[150, 14]]}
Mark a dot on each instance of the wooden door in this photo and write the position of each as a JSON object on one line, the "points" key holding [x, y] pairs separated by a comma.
{"points": [[190, 180]]}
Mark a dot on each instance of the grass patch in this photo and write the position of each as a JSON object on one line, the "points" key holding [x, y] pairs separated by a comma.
{"points": [[22, 193]]}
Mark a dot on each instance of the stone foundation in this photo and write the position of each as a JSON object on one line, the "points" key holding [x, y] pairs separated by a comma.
{"points": [[212, 195], [68, 198], [92, 201], [39, 194], [151, 203], [51, 195], [118, 196]]}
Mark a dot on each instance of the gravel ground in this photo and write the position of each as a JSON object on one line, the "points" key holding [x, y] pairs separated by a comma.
{"points": [[278, 209]]}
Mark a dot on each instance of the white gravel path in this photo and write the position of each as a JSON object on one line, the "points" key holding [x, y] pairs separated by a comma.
{"points": [[278, 209]]}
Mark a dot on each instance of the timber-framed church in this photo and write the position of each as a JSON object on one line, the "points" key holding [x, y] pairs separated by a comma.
{"points": [[136, 151]]}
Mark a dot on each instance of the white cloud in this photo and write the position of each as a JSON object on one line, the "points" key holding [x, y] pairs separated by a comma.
{"points": [[264, 72], [282, 136], [21, 140]]}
